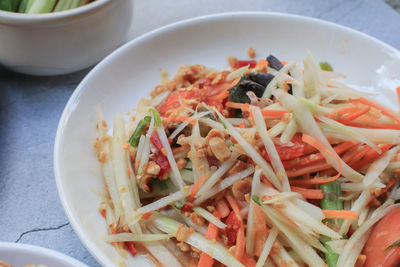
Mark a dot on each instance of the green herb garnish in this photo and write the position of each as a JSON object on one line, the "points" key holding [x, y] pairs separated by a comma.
{"points": [[325, 66], [395, 244], [156, 116], [223, 124], [134, 139], [256, 199]]}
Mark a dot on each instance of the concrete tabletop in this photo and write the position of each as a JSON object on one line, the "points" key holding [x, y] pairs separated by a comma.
{"points": [[30, 107]]}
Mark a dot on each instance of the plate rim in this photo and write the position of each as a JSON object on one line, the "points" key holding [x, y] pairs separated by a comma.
{"points": [[46, 252], [88, 243]]}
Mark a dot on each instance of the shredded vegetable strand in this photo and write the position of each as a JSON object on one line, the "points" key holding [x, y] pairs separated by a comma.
{"points": [[270, 147], [267, 247], [309, 126], [252, 152]]}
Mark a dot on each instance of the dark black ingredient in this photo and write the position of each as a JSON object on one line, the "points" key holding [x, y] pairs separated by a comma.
{"points": [[261, 78], [274, 63], [256, 82]]}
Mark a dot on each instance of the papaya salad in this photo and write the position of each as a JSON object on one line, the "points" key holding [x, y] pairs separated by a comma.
{"points": [[270, 163]]}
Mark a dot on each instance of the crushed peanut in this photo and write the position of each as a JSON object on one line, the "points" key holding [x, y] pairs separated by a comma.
{"points": [[251, 52], [183, 233], [219, 149], [183, 246], [232, 61], [241, 188], [197, 219], [103, 157]]}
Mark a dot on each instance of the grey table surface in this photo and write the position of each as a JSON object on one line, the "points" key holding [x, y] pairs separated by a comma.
{"points": [[30, 107]]}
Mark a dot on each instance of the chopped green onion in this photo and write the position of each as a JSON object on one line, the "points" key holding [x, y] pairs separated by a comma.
{"points": [[395, 244], [179, 204], [223, 124], [332, 201], [331, 257], [325, 66], [162, 184], [256, 199], [134, 139], [156, 116]]}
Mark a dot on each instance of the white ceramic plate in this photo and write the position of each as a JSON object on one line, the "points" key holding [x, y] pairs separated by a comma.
{"points": [[129, 73], [20, 255]]}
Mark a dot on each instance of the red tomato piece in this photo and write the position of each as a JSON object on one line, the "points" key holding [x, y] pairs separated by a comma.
{"points": [[163, 162], [384, 234], [156, 141], [131, 248], [296, 148], [242, 63], [174, 99], [186, 208], [233, 224]]}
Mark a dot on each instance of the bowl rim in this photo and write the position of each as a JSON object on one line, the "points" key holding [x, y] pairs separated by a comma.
{"points": [[42, 251], [70, 106], [8, 17]]}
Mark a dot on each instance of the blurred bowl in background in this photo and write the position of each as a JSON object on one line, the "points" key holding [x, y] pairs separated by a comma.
{"points": [[63, 42]]}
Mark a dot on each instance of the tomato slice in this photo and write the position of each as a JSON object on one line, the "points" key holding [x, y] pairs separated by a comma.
{"points": [[233, 225], [174, 99], [242, 63], [296, 148], [384, 234]]}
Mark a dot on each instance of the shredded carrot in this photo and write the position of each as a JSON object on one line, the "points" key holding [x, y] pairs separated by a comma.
{"points": [[196, 187], [212, 233], [234, 205], [322, 148], [350, 117], [308, 193], [338, 113], [187, 119], [371, 123], [273, 113], [361, 153], [314, 158], [308, 169], [260, 230], [244, 107], [384, 110], [371, 156], [340, 214], [222, 208], [240, 239], [248, 261], [240, 243]]}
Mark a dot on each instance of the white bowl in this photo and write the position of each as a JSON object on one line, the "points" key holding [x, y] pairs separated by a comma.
{"points": [[129, 73], [20, 255], [63, 42]]}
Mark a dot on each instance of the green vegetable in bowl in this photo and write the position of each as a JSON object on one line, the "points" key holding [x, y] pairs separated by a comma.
{"points": [[40, 6], [9, 5]]}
